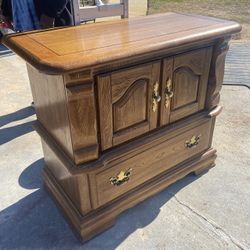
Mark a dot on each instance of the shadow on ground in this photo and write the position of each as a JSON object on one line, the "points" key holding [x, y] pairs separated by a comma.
{"points": [[10, 133], [4, 51], [35, 222], [18, 115]]}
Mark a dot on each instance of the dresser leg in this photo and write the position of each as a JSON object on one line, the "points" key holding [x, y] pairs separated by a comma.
{"points": [[204, 169], [87, 232], [85, 226]]}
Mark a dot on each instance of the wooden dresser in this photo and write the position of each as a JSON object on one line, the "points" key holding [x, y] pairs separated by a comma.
{"points": [[124, 108]]}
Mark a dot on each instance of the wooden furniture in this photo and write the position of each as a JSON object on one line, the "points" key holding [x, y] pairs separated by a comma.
{"points": [[124, 108]]}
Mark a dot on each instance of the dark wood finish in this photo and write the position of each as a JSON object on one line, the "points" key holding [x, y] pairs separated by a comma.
{"points": [[127, 112]]}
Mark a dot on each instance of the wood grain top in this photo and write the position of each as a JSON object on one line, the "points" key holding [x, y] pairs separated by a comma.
{"points": [[62, 50]]}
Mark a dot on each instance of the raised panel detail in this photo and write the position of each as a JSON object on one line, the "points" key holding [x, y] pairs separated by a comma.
{"points": [[185, 76], [122, 80], [125, 103], [131, 108], [186, 84]]}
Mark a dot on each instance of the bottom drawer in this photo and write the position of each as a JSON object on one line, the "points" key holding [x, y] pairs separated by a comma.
{"points": [[126, 175]]}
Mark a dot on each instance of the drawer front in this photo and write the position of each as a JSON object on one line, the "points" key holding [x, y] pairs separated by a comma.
{"points": [[132, 172]]}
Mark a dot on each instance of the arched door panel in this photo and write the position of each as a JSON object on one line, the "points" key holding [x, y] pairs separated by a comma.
{"points": [[125, 101]]}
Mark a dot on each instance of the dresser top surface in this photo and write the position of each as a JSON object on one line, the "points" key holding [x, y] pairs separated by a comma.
{"points": [[73, 48]]}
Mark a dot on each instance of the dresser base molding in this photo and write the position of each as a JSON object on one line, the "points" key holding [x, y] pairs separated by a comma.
{"points": [[98, 220]]}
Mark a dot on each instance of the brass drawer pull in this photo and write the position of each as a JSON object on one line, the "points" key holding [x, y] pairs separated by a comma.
{"points": [[194, 141], [121, 178], [168, 92], [156, 97]]}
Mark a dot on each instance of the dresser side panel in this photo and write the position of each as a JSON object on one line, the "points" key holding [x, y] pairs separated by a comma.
{"points": [[50, 104], [75, 186]]}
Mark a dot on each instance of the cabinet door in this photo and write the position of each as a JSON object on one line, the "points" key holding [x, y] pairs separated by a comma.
{"points": [[127, 107], [184, 82]]}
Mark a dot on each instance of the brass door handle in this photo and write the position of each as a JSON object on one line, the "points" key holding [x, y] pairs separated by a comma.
{"points": [[168, 92], [156, 97], [121, 178], [194, 141]]}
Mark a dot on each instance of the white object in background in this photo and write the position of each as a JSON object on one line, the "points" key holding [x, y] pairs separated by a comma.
{"points": [[6, 31], [99, 3], [100, 10]]}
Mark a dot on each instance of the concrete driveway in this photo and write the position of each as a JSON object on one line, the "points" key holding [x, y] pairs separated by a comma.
{"points": [[207, 212]]}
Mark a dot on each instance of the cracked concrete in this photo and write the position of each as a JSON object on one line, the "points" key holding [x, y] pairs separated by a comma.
{"points": [[206, 212], [211, 225]]}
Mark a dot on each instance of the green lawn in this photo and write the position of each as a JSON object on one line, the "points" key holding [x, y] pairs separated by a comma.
{"points": [[238, 10]]}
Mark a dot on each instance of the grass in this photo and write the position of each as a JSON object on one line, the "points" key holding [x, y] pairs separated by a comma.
{"points": [[237, 10]]}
